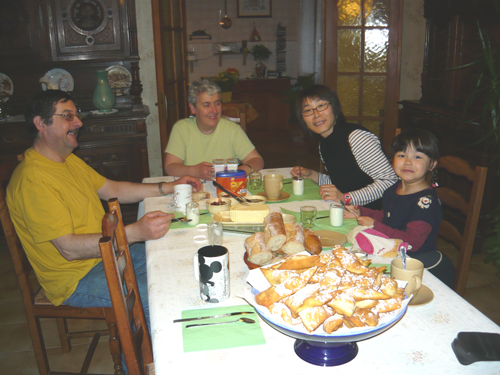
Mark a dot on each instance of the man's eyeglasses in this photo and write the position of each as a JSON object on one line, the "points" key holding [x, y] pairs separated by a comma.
{"points": [[69, 116], [319, 108]]}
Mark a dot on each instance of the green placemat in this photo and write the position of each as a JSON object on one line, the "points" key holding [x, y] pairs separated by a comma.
{"points": [[221, 336], [324, 224], [311, 191]]}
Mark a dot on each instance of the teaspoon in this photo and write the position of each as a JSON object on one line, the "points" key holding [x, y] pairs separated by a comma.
{"points": [[348, 210], [244, 320]]}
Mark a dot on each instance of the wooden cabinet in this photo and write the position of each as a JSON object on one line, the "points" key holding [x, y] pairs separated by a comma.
{"points": [[266, 96]]}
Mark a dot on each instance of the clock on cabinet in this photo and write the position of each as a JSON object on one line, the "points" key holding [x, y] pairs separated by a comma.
{"points": [[91, 29]]}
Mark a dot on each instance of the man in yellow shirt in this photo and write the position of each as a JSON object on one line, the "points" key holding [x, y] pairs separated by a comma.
{"points": [[54, 201]]}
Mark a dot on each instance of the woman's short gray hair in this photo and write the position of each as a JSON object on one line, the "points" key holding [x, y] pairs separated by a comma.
{"points": [[196, 88]]}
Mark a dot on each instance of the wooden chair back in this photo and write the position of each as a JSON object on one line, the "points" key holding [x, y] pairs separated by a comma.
{"points": [[469, 207], [38, 306], [132, 326]]}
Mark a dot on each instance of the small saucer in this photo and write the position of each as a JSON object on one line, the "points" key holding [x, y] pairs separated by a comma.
{"points": [[423, 297], [329, 238], [284, 196]]}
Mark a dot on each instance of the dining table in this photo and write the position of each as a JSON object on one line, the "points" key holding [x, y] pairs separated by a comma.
{"points": [[419, 343]]}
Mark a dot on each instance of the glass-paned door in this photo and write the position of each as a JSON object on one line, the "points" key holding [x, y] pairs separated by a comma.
{"points": [[362, 61]]}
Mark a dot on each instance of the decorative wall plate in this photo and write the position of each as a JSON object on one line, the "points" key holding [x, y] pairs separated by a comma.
{"points": [[57, 79], [119, 79], [6, 87]]}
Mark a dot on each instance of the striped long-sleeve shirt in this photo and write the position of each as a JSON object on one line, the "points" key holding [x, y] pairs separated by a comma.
{"points": [[356, 164]]}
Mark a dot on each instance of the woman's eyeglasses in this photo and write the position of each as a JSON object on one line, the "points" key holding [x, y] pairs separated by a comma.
{"points": [[319, 108], [69, 116]]}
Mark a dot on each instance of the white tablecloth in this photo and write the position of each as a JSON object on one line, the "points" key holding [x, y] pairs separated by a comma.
{"points": [[420, 343]]}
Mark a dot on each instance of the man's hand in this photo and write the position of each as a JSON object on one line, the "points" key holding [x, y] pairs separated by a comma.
{"points": [[193, 181], [151, 226]]}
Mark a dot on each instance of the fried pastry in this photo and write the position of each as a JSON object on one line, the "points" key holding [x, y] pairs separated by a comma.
{"points": [[295, 301], [343, 304], [349, 261], [313, 317], [275, 276], [333, 323], [388, 305], [388, 286], [297, 263], [360, 294]]}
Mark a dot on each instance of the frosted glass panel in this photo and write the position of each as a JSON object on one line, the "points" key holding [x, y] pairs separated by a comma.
{"points": [[349, 50], [376, 43], [349, 12], [373, 96], [373, 126], [376, 12], [348, 92]]}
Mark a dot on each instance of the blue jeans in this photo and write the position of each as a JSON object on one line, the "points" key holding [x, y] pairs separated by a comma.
{"points": [[92, 289]]}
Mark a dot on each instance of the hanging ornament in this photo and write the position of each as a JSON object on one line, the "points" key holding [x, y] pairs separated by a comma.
{"points": [[255, 36]]}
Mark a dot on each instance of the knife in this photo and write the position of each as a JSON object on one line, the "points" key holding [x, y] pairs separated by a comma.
{"points": [[231, 193], [213, 316]]}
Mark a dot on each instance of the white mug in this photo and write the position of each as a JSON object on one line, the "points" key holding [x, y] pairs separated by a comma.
{"points": [[298, 185], [183, 194], [211, 270]]}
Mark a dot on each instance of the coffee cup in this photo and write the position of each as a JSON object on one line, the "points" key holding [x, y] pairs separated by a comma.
{"points": [[211, 270], [183, 194], [412, 274], [273, 185]]}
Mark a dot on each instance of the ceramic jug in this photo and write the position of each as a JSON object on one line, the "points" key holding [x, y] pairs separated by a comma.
{"points": [[104, 98]]}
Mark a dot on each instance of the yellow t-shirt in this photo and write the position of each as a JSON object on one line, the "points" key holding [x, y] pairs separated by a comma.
{"points": [[48, 200]]}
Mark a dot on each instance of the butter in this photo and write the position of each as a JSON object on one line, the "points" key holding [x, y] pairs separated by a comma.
{"points": [[254, 213]]}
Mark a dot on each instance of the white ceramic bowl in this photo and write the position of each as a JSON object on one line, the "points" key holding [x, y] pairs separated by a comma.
{"points": [[216, 208], [256, 199]]}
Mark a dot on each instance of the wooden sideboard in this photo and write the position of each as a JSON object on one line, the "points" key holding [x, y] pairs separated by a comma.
{"points": [[266, 96], [114, 145]]}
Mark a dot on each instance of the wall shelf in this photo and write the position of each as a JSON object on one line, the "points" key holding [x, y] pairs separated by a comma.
{"points": [[245, 54]]}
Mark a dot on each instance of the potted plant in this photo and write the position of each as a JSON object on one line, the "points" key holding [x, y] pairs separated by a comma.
{"points": [[226, 81], [260, 53]]}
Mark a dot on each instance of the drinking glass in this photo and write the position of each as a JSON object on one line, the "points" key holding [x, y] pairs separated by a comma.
{"points": [[308, 216], [215, 233], [255, 180]]}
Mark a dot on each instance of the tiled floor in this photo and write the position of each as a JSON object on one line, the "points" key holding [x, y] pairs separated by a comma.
{"points": [[279, 150]]}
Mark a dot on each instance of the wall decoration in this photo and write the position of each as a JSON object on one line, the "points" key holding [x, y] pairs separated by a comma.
{"points": [[254, 8]]}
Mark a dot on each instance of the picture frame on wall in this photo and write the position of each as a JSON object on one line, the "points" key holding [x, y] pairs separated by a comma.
{"points": [[254, 8]]}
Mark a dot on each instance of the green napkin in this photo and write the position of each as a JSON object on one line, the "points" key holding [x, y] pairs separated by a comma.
{"points": [[311, 191], [221, 336]]}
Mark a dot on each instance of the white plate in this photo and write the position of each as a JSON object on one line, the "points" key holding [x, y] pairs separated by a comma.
{"points": [[119, 79], [55, 76], [6, 87]]}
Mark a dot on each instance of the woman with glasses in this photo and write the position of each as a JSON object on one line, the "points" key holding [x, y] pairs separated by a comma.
{"points": [[358, 171]]}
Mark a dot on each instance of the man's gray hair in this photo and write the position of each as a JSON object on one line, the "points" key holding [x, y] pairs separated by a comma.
{"points": [[196, 88]]}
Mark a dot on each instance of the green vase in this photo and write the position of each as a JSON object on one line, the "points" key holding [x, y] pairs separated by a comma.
{"points": [[104, 98]]}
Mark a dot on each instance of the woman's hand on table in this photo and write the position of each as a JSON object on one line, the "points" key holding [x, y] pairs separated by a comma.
{"points": [[151, 226], [204, 171], [330, 193], [366, 221], [305, 172]]}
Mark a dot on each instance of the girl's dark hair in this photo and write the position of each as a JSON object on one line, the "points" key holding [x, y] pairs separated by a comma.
{"points": [[323, 93], [423, 141], [43, 104]]}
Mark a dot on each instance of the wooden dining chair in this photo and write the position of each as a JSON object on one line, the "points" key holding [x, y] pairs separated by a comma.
{"points": [[460, 202], [235, 115], [38, 306], [132, 326]]}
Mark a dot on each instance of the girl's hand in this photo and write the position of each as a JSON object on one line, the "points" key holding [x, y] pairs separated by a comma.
{"points": [[330, 193], [348, 215], [301, 171], [366, 221]]}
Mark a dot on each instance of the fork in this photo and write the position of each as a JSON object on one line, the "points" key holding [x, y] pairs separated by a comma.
{"points": [[348, 210]]}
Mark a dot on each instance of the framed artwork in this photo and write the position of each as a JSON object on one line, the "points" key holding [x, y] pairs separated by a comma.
{"points": [[254, 8]]}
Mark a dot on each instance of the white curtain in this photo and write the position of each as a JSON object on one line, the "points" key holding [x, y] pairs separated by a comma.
{"points": [[309, 46]]}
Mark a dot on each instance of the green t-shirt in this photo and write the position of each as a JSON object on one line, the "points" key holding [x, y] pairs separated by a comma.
{"points": [[48, 200], [228, 140]]}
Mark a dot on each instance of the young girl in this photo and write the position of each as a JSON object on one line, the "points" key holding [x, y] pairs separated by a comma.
{"points": [[411, 208]]}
